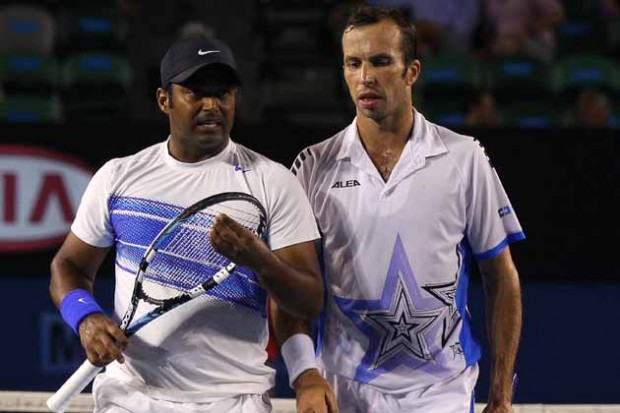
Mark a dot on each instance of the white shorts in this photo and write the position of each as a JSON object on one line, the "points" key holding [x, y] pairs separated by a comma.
{"points": [[454, 395], [114, 396]]}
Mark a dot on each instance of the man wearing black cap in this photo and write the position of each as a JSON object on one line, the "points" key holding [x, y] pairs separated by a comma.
{"points": [[209, 355]]}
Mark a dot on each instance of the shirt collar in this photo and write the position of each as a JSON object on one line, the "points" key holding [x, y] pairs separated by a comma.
{"points": [[423, 142], [223, 156]]}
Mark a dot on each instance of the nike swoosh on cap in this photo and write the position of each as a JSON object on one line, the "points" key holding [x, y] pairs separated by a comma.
{"points": [[201, 53]]}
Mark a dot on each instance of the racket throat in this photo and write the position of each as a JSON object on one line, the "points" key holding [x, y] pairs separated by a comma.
{"points": [[216, 279]]}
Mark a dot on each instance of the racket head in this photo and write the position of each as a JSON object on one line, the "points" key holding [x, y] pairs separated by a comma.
{"points": [[181, 256]]}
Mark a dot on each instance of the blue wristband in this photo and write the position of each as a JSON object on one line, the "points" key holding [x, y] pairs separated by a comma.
{"points": [[76, 305]]}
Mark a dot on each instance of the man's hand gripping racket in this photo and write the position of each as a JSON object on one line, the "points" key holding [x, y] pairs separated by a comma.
{"points": [[181, 264]]}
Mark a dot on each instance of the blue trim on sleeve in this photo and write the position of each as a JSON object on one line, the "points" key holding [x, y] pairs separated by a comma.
{"points": [[517, 236], [469, 342]]}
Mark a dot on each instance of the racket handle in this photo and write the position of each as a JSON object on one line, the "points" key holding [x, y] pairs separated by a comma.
{"points": [[73, 386]]}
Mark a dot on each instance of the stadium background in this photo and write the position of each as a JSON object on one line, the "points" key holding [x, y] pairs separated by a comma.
{"points": [[77, 87]]}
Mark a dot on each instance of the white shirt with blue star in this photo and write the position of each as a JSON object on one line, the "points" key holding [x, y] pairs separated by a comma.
{"points": [[397, 254]]}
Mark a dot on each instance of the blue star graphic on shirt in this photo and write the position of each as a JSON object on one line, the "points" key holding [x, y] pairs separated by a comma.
{"points": [[401, 327], [397, 325]]}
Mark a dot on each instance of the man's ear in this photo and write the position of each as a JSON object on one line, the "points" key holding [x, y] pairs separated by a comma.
{"points": [[163, 100], [238, 94], [413, 72]]}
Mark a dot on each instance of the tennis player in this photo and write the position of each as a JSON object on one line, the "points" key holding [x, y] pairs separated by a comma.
{"points": [[208, 355], [403, 207]]}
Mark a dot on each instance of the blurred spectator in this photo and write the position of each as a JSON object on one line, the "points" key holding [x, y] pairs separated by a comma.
{"points": [[481, 110], [337, 17], [523, 27], [440, 24], [592, 109], [609, 9], [195, 28], [610, 13]]}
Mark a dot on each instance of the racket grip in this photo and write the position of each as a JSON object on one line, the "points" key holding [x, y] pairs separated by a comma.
{"points": [[73, 386]]}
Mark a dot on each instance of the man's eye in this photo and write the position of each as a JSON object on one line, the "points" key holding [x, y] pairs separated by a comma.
{"points": [[352, 64], [382, 61]]}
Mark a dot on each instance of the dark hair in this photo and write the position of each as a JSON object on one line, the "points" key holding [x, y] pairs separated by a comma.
{"points": [[365, 15]]}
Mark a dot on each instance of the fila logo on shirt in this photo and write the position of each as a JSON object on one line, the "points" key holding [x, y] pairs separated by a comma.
{"points": [[346, 184]]}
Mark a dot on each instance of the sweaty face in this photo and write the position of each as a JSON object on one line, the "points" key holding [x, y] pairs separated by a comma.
{"points": [[202, 113], [374, 70]]}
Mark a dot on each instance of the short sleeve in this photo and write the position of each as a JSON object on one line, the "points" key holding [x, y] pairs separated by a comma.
{"points": [[301, 168], [291, 220], [92, 221], [491, 221]]}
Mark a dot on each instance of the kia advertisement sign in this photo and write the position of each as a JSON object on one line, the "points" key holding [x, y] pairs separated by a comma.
{"points": [[40, 191]]}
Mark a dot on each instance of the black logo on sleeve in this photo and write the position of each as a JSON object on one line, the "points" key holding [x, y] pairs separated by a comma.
{"points": [[346, 184]]}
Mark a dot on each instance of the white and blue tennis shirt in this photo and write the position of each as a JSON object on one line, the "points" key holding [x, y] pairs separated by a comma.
{"points": [[211, 348], [397, 254]]}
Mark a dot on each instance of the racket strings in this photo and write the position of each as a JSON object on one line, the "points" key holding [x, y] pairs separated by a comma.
{"points": [[186, 257]]}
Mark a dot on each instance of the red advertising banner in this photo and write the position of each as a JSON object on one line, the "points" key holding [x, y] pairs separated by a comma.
{"points": [[40, 191]]}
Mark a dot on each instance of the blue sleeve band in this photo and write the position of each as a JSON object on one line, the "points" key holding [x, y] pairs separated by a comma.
{"points": [[76, 305]]}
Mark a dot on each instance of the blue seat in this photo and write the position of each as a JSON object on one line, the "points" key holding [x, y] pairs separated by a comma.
{"points": [[96, 85], [448, 113], [531, 115], [30, 109], [29, 73], [27, 29], [578, 34], [522, 78], [576, 72], [86, 30], [449, 76]]}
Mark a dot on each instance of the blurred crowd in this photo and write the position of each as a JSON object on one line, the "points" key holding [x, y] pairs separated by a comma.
{"points": [[564, 52], [523, 63]]}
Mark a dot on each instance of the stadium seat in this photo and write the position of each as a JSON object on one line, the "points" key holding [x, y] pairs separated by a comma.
{"points": [[95, 85], [576, 72], [444, 112], [85, 30], [578, 35], [29, 73], [581, 8], [518, 78], [532, 115], [292, 29], [614, 120], [449, 77], [30, 109], [27, 29]]}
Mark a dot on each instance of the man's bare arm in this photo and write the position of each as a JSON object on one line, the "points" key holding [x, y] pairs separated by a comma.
{"points": [[75, 267], [503, 308], [314, 394], [291, 274]]}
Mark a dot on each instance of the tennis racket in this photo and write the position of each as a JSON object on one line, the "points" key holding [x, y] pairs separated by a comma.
{"points": [[179, 265]]}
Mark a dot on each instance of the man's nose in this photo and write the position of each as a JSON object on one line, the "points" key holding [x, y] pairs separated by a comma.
{"points": [[209, 103], [367, 74]]}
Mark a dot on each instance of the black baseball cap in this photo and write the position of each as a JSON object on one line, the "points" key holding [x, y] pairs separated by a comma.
{"points": [[186, 56]]}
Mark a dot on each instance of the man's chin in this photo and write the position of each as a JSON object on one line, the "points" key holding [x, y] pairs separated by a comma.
{"points": [[373, 114]]}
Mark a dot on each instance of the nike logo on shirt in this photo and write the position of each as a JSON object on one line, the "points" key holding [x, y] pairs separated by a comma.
{"points": [[201, 53]]}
